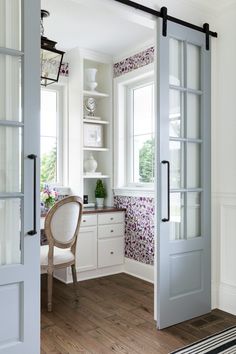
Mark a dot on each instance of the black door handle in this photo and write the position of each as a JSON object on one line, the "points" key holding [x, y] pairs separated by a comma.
{"points": [[165, 162], [34, 158]]}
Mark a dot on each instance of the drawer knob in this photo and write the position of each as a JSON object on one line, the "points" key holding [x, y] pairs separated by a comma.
{"points": [[112, 252], [111, 218], [112, 230], [84, 220]]}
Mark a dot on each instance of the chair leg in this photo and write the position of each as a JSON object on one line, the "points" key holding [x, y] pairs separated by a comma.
{"points": [[50, 285], [74, 276]]}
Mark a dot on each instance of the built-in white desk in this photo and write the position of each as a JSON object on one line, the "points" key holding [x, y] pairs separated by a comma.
{"points": [[100, 245]]}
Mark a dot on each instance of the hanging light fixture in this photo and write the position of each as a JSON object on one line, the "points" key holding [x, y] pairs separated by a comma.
{"points": [[51, 58]]}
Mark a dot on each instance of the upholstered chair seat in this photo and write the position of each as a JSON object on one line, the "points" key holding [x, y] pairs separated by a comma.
{"points": [[59, 256]]}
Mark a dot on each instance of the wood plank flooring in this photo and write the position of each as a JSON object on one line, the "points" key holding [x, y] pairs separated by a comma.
{"points": [[115, 315]]}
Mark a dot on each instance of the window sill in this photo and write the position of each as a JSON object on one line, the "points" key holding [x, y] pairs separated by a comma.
{"points": [[134, 192]]}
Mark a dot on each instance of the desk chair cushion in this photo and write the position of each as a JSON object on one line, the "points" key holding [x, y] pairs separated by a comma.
{"points": [[64, 222], [60, 255]]}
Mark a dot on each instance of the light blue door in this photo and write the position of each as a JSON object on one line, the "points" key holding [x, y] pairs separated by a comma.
{"points": [[183, 175], [19, 176]]}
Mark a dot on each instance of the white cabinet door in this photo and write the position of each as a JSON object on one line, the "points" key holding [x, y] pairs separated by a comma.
{"points": [[86, 251], [110, 252]]}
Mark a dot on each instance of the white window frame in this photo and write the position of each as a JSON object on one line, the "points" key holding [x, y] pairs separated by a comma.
{"points": [[60, 108], [139, 83], [122, 130]]}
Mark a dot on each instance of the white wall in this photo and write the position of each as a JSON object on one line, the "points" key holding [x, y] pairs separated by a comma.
{"points": [[224, 164]]}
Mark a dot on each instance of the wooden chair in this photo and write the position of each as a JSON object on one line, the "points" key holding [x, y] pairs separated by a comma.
{"points": [[62, 225]]}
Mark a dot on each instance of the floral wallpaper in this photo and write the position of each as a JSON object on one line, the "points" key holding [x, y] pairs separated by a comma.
{"points": [[139, 227], [135, 62], [64, 71]]}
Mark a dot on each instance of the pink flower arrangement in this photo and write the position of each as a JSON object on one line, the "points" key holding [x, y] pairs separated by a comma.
{"points": [[48, 196]]}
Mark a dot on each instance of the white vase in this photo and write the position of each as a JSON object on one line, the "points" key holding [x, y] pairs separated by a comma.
{"points": [[90, 165], [100, 202], [90, 78]]}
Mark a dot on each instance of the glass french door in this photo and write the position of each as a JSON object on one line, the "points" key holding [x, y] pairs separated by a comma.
{"points": [[19, 146], [183, 176]]}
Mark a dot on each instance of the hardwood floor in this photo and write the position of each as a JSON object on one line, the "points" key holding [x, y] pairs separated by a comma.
{"points": [[115, 314]]}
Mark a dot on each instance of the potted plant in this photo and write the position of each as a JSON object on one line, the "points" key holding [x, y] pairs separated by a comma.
{"points": [[100, 193]]}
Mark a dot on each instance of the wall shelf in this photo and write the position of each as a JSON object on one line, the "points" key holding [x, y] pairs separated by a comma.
{"points": [[95, 149], [101, 123], [95, 121], [95, 94], [95, 177]]}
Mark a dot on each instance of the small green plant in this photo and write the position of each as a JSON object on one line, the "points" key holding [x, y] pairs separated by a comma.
{"points": [[100, 190]]}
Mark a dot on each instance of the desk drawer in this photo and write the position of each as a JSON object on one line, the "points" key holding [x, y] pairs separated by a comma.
{"points": [[110, 218], [110, 252], [113, 230], [89, 220]]}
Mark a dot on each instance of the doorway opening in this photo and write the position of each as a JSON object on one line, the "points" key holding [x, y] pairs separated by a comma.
{"points": [[112, 49]]}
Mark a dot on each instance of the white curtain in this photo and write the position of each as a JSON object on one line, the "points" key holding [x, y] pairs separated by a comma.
{"points": [[10, 137]]}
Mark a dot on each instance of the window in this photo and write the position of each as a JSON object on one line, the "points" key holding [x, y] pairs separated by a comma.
{"points": [[50, 137], [140, 133]]}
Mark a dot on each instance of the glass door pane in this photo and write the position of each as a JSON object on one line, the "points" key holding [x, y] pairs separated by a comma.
{"points": [[10, 24], [176, 62], [185, 140], [194, 115], [10, 88], [10, 159], [176, 216], [193, 215], [10, 235], [193, 67]]}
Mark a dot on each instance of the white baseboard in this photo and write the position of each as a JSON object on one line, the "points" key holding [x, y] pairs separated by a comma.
{"points": [[139, 270], [136, 269], [214, 295], [66, 276], [227, 298]]}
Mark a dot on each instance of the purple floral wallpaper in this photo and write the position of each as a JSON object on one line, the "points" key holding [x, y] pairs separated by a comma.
{"points": [[135, 62], [64, 71], [139, 227]]}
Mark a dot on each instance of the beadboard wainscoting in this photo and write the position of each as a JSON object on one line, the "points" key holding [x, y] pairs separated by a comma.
{"points": [[223, 252]]}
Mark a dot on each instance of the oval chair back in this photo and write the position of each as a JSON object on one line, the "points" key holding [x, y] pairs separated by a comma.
{"points": [[62, 222]]}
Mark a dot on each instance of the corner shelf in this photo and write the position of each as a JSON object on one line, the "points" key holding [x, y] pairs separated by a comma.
{"points": [[102, 119], [95, 177], [95, 149], [95, 94], [95, 121]]}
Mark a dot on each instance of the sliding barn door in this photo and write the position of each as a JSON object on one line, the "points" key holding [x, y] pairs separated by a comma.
{"points": [[19, 170], [183, 175]]}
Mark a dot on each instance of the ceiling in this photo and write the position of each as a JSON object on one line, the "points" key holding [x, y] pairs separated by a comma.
{"points": [[93, 25]]}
